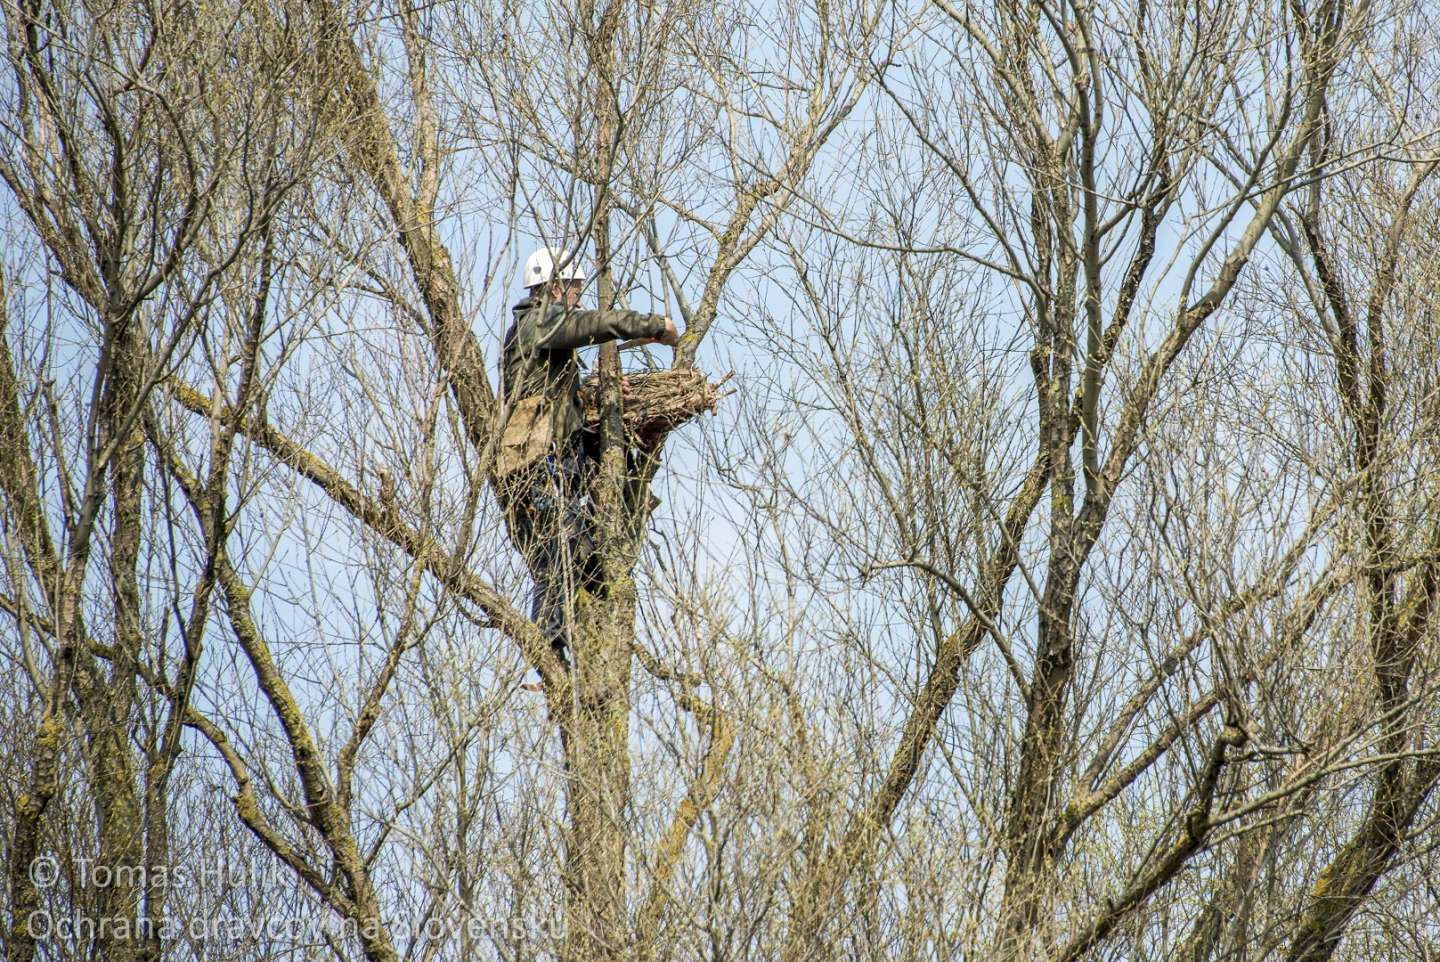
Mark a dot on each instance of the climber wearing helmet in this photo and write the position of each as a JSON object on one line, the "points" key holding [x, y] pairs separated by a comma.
{"points": [[543, 461]]}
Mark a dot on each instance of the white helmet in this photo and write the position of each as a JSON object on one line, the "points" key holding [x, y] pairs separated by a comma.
{"points": [[540, 267]]}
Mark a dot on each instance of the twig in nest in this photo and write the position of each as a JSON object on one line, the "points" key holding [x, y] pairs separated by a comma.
{"points": [[657, 402]]}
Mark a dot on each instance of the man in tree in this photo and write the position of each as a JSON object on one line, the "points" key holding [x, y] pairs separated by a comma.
{"points": [[545, 456]]}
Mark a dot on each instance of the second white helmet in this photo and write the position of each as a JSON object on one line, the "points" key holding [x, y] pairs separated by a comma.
{"points": [[540, 267]]}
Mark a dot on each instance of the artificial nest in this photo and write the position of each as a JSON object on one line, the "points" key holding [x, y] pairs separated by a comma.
{"points": [[656, 402]]}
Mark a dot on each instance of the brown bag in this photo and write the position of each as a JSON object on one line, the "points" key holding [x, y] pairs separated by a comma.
{"points": [[526, 437]]}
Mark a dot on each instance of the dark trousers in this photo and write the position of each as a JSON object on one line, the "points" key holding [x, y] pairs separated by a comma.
{"points": [[552, 524]]}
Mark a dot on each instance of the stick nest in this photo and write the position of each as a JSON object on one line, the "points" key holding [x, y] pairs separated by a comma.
{"points": [[656, 402]]}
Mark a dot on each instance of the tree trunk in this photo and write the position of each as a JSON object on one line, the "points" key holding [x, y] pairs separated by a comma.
{"points": [[596, 739], [111, 707]]}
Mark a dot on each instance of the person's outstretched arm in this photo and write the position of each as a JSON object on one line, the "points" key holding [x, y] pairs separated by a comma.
{"points": [[559, 330]]}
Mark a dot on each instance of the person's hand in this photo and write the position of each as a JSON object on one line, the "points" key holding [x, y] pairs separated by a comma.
{"points": [[671, 337]]}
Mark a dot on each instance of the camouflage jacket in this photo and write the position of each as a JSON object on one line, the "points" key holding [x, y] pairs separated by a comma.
{"points": [[539, 354]]}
